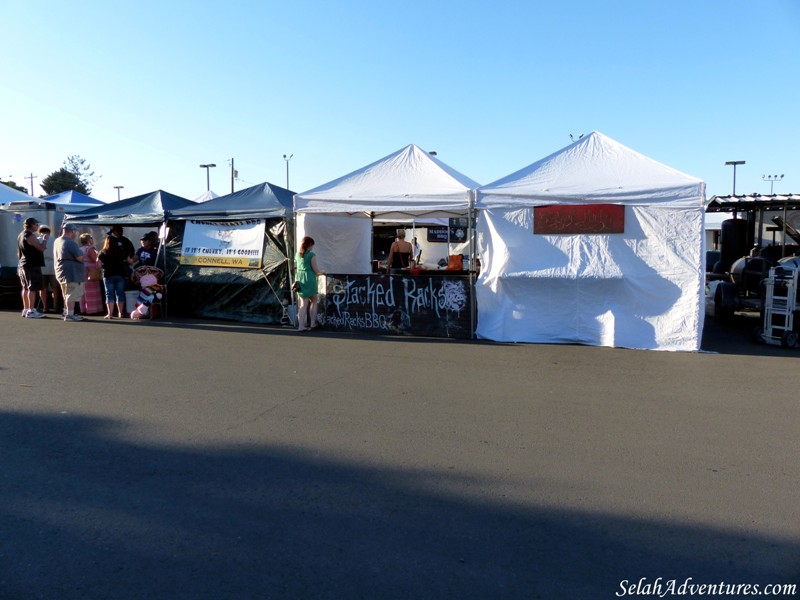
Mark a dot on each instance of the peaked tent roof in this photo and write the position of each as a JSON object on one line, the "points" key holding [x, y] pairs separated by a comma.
{"points": [[72, 197], [262, 201], [206, 196], [9, 194], [594, 169], [409, 181], [147, 209]]}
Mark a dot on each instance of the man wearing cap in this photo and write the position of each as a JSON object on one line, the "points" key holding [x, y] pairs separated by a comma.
{"points": [[31, 260], [69, 270], [146, 253]]}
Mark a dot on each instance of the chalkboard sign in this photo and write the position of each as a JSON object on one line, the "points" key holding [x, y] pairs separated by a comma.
{"points": [[426, 305]]}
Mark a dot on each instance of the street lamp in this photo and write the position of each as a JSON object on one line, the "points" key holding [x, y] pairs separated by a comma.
{"points": [[287, 159], [118, 188], [772, 179], [208, 180], [734, 164]]}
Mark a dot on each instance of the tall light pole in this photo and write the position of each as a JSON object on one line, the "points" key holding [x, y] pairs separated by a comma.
{"points": [[734, 164], [118, 188], [287, 159], [772, 179], [208, 179]]}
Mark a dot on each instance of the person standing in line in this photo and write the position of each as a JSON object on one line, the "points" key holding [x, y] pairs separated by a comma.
{"points": [[69, 270], [116, 257], [30, 252], [49, 281], [92, 300], [306, 273]]}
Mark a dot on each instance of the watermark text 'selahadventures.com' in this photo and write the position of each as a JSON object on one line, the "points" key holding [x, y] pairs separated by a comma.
{"points": [[664, 588]]}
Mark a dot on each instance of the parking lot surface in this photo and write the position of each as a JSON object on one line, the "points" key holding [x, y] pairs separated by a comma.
{"points": [[191, 459]]}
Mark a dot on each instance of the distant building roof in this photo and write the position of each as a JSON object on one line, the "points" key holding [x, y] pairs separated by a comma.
{"points": [[754, 202]]}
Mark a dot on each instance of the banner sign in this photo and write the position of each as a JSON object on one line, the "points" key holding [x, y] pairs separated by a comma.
{"points": [[579, 218], [458, 230], [237, 244], [435, 305]]}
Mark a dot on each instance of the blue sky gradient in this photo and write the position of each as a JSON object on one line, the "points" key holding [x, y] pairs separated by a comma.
{"points": [[147, 91]]}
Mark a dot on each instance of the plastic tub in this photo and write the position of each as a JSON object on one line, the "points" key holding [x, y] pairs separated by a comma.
{"points": [[130, 300]]}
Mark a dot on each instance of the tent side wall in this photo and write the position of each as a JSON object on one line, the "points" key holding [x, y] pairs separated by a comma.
{"points": [[640, 289], [246, 295], [341, 244]]}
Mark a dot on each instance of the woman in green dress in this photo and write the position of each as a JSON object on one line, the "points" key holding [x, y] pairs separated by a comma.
{"points": [[306, 272]]}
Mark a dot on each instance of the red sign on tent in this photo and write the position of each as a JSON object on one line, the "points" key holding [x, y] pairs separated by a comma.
{"points": [[578, 218]]}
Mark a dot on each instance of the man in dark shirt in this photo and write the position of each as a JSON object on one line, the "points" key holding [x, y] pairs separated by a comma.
{"points": [[146, 253], [31, 260]]}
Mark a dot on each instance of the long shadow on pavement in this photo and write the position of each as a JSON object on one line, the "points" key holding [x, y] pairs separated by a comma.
{"points": [[85, 514]]}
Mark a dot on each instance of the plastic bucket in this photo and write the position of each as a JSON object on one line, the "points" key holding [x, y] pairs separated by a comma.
{"points": [[130, 300]]}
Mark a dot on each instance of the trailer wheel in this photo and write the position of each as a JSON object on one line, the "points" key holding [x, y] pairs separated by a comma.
{"points": [[758, 334], [789, 339]]}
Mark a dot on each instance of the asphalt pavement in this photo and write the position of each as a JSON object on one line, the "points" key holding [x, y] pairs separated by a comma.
{"points": [[197, 459]]}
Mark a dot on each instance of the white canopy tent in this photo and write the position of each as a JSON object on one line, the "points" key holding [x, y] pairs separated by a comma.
{"points": [[640, 288], [206, 196], [407, 186]]}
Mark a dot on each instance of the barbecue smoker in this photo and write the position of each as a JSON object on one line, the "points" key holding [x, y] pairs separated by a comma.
{"points": [[752, 271], [759, 285]]}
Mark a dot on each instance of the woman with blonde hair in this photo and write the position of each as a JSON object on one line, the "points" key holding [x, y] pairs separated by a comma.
{"points": [[92, 300], [401, 253], [306, 273]]}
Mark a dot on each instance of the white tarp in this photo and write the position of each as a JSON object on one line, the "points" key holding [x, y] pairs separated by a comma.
{"points": [[639, 289], [342, 244]]}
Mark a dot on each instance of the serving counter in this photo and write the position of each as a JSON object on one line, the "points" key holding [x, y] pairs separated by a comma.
{"points": [[423, 303]]}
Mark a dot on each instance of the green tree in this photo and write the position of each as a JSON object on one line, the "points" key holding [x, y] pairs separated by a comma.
{"points": [[76, 174], [61, 181], [13, 185]]}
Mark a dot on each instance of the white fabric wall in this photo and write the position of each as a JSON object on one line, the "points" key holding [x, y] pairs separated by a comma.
{"points": [[640, 289], [341, 244]]}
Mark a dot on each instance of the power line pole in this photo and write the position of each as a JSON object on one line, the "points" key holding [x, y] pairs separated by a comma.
{"points": [[31, 177]]}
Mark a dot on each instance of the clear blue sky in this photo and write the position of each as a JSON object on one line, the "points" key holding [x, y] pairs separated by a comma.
{"points": [[146, 91]]}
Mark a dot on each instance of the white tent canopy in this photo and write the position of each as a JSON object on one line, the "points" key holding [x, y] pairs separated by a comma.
{"points": [[206, 196], [406, 185], [641, 288], [407, 182]]}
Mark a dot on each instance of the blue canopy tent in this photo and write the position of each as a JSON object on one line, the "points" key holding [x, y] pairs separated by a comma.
{"points": [[249, 294], [73, 197], [262, 201], [145, 211]]}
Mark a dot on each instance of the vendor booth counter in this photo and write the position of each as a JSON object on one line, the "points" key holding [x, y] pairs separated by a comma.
{"points": [[425, 303]]}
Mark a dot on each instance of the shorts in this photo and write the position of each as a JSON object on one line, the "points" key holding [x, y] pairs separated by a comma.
{"points": [[49, 282], [73, 291], [30, 277]]}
